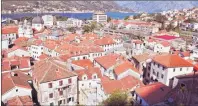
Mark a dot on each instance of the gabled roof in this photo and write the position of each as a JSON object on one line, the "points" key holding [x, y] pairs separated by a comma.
{"points": [[89, 72], [108, 60], [170, 60], [83, 63], [104, 41], [50, 70], [126, 65], [125, 84], [9, 29], [10, 81], [153, 93], [20, 101]]}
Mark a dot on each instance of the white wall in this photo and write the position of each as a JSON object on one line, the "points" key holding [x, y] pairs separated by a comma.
{"points": [[19, 53], [44, 91], [13, 93]]}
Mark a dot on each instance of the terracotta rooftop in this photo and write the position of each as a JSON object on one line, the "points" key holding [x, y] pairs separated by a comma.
{"points": [[170, 60], [126, 65], [50, 70], [153, 93], [20, 101], [141, 57], [125, 84], [89, 72], [10, 81], [9, 29], [111, 60], [83, 63], [104, 41]]}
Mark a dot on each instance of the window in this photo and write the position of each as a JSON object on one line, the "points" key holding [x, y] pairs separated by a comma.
{"points": [[158, 65], [51, 95], [148, 74], [180, 69], [82, 84], [60, 93], [70, 81], [52, 104], [16, 90], [162, 76], [174, 70], [60, 83], [140, 101], [50, 85], [157, 74]]}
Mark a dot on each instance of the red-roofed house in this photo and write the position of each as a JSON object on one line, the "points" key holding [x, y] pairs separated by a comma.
{"points": [[127, 84], [54, 83], [107, 63], [9, 33], [36, 49], [161, 47], [89, 81], [17, 51], [107, 43], [126, 68], [15, 84], [151, 94], [166, 66], [82, 64], [13, 63]]}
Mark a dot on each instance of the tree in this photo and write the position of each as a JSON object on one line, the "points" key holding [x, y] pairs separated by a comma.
{"points": [[117, 98], [86, 28], [160, 18], [71, 29], [126, 18], [108, 19], [93, 26]]}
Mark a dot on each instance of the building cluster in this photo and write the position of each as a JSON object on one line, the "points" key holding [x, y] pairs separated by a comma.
{"points": [[42, 64]]}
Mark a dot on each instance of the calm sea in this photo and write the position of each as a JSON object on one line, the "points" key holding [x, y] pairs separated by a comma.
{"points": [[115, 15]]}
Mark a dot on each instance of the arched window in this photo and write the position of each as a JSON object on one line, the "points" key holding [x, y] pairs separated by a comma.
{"points": [[94, 76], [84, 77]]}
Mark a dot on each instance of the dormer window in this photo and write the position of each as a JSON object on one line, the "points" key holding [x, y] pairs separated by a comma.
{"points": [[84, 77], [94, 76]]}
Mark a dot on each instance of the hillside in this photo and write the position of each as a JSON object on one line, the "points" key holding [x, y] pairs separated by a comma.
{"points": [[30, 6], [157, 6]]}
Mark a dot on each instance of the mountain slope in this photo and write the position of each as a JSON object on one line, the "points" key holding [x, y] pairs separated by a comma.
{"points": [[157, 6], [29, 6]]}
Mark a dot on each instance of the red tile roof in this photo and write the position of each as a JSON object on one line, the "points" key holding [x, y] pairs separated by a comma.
{"points": [[89, 72], [22, 62], [50, 70], [43, 56], [124, 67], [165, 44], [169, 60], [166, 37], [83, 63], [20, 101], [104, 41], [10, 81], [124, 84], [9, 29], [153, 93], [111, 60]]}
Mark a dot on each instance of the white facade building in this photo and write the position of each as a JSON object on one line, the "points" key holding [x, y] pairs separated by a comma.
{"points": [[162, 47], [99, 17], [25, 30], [57, 85], [163, 68], [137, 47], [48, 20]]}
